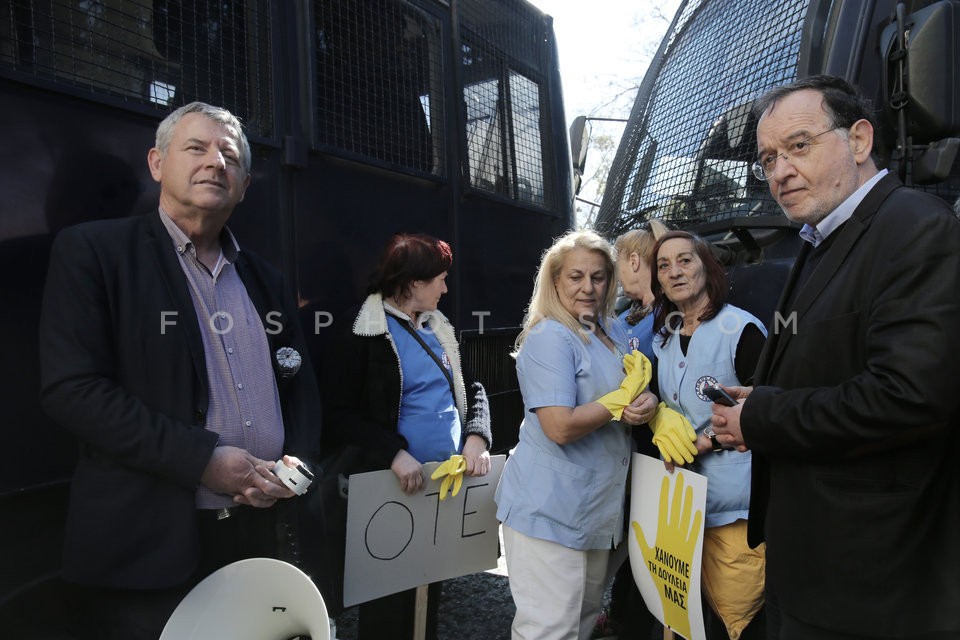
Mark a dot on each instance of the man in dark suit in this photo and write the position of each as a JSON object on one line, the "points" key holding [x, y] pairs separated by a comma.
{"points": [[171, 356], [855, 415]]}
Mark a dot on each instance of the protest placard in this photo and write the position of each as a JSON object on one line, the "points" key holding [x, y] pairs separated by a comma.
{"points": [[666, 542], [397, 541]]}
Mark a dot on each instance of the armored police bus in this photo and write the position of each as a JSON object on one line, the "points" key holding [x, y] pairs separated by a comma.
{"points": [[686, 152], [365, 117]]}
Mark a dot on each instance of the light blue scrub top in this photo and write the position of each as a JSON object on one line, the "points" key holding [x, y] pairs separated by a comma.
{"points": [[571, 494], [429, 419], [640, 335]]}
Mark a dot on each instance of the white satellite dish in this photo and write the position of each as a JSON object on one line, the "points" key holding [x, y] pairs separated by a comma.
{"points": [[255, 599]]}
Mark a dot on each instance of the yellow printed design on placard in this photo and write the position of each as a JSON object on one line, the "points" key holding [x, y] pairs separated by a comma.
{"points": [[669, 560]]}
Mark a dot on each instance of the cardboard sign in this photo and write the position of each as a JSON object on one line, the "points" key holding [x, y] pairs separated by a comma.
{"points": [[397, 541], [666, 542]]}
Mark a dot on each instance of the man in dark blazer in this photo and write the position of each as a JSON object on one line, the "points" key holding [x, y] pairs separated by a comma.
{"points": [[151, 327], [855, 415]]}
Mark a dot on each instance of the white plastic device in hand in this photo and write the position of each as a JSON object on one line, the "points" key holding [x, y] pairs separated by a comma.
{"points": [[297, 478]]}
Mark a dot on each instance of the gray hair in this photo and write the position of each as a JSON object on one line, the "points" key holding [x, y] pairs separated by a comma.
{"points": [[217, 114]]}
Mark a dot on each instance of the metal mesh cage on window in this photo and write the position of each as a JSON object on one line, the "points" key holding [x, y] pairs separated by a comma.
{"points": [[379, 84], [690, 148], [164, 53], [507, 144]]}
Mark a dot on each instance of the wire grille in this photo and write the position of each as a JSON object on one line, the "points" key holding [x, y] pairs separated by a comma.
{"points": [[380, 83], [162, 53], [688, 150], [686, 153], [486, 355], [506, 53]]}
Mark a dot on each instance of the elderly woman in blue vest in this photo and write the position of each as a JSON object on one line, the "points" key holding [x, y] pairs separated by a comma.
{"points": [[561, 494], [701, 341], [395, 388]]}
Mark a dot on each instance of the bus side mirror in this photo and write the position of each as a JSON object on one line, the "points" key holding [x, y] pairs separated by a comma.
{"points": [[579, 141]]}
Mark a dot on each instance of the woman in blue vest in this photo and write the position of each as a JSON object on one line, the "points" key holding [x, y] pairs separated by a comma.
{"points": [[700, 341], [395, 387]]}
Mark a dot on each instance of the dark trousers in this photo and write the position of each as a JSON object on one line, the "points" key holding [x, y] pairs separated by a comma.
{"points": [[793, 629], [140, 614], [393, 616], [627, 608], [783, 626]]}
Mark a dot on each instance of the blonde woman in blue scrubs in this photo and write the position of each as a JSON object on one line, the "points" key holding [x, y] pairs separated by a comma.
{"points": [[562, 491]]}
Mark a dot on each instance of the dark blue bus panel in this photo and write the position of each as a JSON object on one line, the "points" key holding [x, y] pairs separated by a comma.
{"points": [[365, 118]]}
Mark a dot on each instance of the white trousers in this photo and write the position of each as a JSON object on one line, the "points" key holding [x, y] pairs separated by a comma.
{"points": [[558, 591]]}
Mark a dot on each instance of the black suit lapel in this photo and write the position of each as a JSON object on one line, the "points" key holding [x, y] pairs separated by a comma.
{"points": [[158, 245], [774, 339], [822, 274]]}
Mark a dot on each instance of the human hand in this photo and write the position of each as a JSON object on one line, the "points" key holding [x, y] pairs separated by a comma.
{"points": [[293, 474], [265, 494], [738, 393], [641, 410], [726, 420], [673, 435], [676, 541], [703, 444], [477, 457], [408, 471], [638, 370], [234, 471]]}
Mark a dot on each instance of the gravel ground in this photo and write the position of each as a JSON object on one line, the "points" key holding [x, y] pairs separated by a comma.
{"points": [[474, 607]]}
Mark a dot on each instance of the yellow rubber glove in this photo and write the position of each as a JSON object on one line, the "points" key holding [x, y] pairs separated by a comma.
{"points": [[453, 470], [638, 370], [673, 435], [670, 561]]}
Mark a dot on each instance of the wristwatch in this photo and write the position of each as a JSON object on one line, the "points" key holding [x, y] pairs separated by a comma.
{"points": [[710, 433]]}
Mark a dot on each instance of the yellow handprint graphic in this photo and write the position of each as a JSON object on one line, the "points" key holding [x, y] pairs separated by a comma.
{"points": [[669, 561]]}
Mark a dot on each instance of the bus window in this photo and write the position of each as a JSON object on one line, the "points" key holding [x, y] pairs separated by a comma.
{"points": [[525, 110], [95, 44], [500, 55], [505, 155], [165, 52], [220, 51], [379, 82], [485, 134]]}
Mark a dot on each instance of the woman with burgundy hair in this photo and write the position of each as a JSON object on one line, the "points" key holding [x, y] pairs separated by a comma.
{"points": [[395, 387]]}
